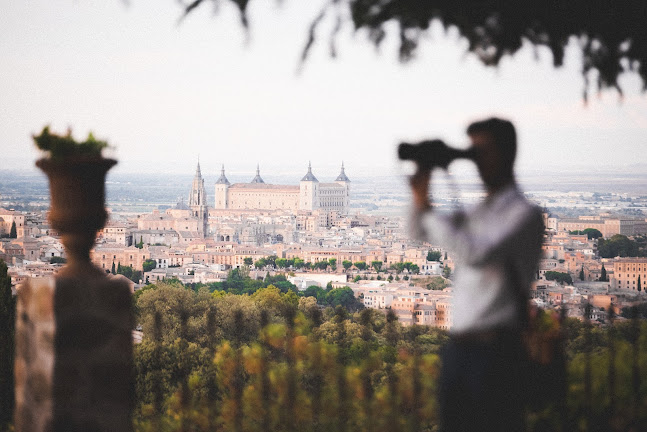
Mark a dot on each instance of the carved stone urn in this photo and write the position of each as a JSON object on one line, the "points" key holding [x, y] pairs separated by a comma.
{"points": [[77, 209], [73, 366]]}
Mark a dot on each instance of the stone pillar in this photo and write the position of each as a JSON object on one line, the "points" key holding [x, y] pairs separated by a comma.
{"points": [[34, 355], [74, 363], [74, 369]]}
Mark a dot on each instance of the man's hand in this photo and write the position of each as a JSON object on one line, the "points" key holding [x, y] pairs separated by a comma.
{"points": [[419, 183]]}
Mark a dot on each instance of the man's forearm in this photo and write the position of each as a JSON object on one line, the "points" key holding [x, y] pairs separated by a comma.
{"points": [[421, 204], [420, 185]]}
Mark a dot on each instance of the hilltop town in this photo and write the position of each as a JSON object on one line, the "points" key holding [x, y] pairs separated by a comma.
{"points": [[313, 234]]}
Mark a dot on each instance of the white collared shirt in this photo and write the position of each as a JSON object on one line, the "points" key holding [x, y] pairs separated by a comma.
{"points": [[497, 246]]}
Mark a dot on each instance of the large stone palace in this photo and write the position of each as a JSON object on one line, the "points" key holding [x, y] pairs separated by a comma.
{"points": [[309, 195]]}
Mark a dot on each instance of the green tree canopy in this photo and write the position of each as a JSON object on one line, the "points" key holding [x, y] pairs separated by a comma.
{"points": [[563, 278], [398, 267], [591, 233], [281, 263], [260, 263], [433, 255], [347, 264], [321, 265], [130, 273], [315, 291], [271, 260], [361, 265], [619, 245], [13, 233], [344, 297], [272, 299], [171, 300], [149, 265]]}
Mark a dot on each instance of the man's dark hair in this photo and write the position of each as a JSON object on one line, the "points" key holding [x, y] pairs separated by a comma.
{"points": [[503, 133]]}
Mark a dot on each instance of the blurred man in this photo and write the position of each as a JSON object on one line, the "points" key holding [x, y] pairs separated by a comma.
{"points": [[497, 247]]}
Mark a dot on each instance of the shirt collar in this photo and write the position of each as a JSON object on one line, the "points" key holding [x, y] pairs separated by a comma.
{"points": [[501, 196]]}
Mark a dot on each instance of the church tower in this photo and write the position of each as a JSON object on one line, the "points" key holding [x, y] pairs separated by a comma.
{"points": [[222, 190], [198, 202], [343, 180], [309, 191], [258, 178]]}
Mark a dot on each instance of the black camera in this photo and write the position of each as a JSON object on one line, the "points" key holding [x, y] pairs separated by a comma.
{"points": [[430, 154]]}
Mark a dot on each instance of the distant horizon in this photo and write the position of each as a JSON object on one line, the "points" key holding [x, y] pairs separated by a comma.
{"points": [[621, 180], [326, 169], [163, 93]]}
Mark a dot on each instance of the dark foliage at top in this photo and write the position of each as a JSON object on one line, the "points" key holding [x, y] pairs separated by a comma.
{"points": [[612, 34]]}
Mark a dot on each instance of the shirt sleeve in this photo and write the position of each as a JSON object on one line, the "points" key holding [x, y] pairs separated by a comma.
{"points": [[430, 226], [517, 230]]}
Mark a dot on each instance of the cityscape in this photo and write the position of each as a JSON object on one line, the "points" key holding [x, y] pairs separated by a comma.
{"points": [[357, 231], [323, 216], [337, 254]]}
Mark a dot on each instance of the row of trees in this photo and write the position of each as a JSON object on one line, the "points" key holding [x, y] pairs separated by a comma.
{"points": [[295, 263], [389, 278], [239, 282], [298, 263], [409, 266]]}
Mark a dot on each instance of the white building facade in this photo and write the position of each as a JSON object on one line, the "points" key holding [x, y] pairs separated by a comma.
{"points": [[309, 195]]}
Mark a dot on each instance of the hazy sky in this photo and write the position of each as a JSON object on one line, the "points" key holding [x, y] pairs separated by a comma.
{"points": [[163, 93]]}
